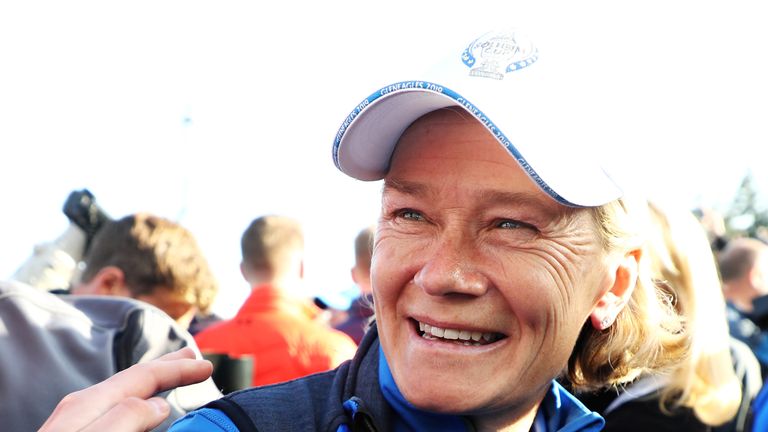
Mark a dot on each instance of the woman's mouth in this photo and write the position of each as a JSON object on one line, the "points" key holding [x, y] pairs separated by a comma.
{"points": [[457, 336]]}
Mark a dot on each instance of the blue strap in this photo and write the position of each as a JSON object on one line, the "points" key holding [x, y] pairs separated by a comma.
{"points": [[204, 419]]}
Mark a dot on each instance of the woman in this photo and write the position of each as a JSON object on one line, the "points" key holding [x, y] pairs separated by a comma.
{"points": [[501, 260]]}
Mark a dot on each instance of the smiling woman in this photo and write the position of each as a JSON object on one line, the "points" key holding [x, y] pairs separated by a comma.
{"points": [[469, 249], [523, 274]]}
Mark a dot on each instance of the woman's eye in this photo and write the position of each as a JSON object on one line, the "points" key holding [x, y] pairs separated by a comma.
{"points": [[508, 224], [513, 224], [410, 215]]}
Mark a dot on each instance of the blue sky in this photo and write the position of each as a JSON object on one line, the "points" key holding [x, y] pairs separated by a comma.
{"points": [[213, 113]]}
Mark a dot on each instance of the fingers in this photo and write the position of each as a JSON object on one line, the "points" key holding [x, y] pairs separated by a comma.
{"points": [[185, 352], [175, 369], [140, 381], [132, 415]]}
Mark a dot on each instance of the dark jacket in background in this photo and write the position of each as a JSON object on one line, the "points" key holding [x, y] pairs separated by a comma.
{"points": [[359, 318]]}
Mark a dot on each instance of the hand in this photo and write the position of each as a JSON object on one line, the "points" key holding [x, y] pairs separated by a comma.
{"points": [[124, 402]]}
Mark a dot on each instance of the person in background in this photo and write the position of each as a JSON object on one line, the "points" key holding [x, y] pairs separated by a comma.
{"points": [[55, 344], [743, 265], [152, 259], [744, 269], [712, 388], [360, 311], [279, 330]]}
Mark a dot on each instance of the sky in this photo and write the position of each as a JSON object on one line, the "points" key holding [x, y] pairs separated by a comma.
{"points": [[214, 113]]}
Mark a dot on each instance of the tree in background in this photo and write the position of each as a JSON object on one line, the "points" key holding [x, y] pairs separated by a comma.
{"points": [[747, 215]]}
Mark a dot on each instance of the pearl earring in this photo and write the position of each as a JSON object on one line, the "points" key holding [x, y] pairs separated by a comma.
{"points": [[605, 323]]}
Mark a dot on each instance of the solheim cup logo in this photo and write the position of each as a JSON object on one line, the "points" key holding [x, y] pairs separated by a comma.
{"points": [[496, 53]]}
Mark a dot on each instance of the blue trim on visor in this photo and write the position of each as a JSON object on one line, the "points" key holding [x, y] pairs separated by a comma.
{"points": [[428, 87]]}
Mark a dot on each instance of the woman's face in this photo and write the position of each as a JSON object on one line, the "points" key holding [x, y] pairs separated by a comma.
{"points": [[481, 281]]}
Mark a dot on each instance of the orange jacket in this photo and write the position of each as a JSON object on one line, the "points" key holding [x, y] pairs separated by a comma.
{"points": [[280, 334]]}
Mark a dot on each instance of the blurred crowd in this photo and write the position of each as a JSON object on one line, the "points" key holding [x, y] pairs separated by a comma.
{"points": [[110, 293], [717, 281]]}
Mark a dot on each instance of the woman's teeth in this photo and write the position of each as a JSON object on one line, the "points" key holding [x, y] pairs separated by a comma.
{"points": [[459, 336]]}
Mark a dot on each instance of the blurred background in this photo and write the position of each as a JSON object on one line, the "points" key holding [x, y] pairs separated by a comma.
{"points": [[214, 113]]}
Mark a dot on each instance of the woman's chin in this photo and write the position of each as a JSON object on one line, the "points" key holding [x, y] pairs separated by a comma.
{"points": [[443, 401]]}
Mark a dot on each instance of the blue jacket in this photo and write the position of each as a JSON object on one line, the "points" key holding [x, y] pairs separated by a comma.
{"points": [[360, 395], [744, 329]]}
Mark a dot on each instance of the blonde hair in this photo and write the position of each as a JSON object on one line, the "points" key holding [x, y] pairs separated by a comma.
{"points": [[681, 256], [647, 335]]}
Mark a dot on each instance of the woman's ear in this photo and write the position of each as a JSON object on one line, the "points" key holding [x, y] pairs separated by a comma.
{"points": [[613, 301]]}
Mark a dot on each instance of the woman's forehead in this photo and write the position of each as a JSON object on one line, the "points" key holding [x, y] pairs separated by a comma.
{"points": [[454, 118], [447, 145], [447, 134]]}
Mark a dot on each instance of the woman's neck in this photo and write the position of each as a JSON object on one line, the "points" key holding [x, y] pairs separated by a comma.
{"points": [[507, 421]]}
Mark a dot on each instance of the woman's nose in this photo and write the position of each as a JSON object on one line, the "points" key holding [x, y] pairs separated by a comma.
{"points": [[452, 267]]}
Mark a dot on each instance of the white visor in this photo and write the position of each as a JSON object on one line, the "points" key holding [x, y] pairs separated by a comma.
{"points": [[538, 108]]}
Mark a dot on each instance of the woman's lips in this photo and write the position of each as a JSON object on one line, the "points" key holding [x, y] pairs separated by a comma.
{"points": [[458, 336]]}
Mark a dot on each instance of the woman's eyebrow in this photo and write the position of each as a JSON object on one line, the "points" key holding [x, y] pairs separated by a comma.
{"points": [[500, 197], [539, 204], [405, 187], [517, 198]]}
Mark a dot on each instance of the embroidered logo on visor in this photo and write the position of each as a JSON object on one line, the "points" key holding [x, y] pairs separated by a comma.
{"points": [[496, 53]]}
